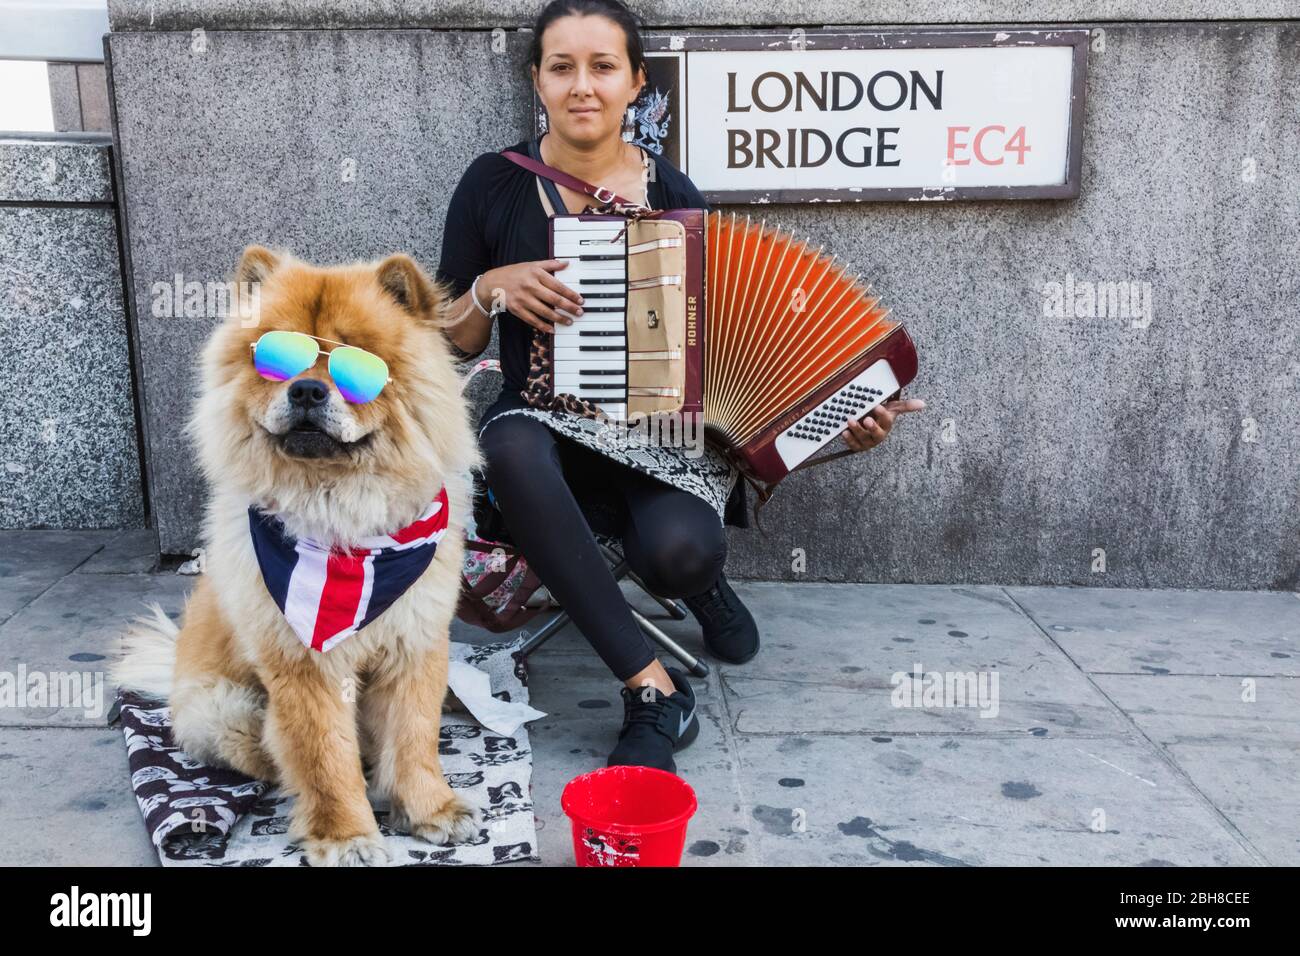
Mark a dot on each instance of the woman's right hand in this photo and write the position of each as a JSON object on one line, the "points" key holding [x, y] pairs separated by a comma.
{"points": [[530, 291]]}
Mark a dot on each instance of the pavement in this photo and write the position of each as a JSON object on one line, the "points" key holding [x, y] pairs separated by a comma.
{"points": [[879, 724]]}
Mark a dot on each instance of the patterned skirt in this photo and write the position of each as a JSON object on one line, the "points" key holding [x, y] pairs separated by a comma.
{"points": [[701, 470]]}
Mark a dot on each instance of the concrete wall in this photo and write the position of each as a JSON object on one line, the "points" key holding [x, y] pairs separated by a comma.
{"points": [[69, 453], [1173, 447], [79, 96]]}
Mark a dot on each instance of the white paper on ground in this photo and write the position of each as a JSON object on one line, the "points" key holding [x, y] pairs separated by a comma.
{"points": [[473, 688]]}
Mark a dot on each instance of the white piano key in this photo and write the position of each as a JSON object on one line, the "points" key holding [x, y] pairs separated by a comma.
{"points": [[597, 309], [594, 360], [585, 377], [604, 376], [593, 268], [586, 246], [574, 354], [579, 378], [604, 394], [601, 322], [573, 338], [597, 279]]}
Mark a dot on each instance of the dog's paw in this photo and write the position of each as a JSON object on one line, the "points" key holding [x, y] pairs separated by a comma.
{"points": [[366, 850], [451, 704], [456, 822]]}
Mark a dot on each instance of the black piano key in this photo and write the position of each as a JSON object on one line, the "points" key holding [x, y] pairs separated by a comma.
{"points": [[601, 348], [619, 332]]}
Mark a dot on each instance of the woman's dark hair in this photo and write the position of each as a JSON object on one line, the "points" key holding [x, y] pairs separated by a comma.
{"points": [[610, 9]]}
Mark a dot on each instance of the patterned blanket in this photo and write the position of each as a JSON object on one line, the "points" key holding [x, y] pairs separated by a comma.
{"points": [[209, 816]]}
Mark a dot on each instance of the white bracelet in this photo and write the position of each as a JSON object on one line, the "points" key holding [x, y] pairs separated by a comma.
{"points": [[473, 294]]}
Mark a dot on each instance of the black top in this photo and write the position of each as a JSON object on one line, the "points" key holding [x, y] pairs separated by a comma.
{"points": [[495, 218]]}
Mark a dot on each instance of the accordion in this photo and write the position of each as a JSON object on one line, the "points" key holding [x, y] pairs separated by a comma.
{"points": [[770, 342]]}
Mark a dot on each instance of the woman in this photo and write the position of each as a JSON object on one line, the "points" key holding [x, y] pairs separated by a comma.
{"points": [[588, 67]]}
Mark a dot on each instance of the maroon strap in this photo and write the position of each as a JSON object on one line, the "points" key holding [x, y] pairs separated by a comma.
{"points": [[600, 193]]}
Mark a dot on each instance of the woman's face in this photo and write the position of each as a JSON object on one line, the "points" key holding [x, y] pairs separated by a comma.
{"points": [[585, 80]]}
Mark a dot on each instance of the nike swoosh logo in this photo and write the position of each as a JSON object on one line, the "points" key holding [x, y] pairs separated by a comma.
{"points": [[685, 722]]}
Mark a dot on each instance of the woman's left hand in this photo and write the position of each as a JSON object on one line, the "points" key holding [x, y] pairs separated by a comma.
{"points": [[875, 427]]}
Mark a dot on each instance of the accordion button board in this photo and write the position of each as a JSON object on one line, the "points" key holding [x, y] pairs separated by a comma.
{"points": [[818, 427]]}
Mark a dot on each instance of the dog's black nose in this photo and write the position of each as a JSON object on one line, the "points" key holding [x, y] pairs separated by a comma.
{"points": [[308, 393]]}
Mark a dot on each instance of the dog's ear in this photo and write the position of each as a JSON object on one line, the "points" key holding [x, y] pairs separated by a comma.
{"points": [[406, 283], [256, 264]]}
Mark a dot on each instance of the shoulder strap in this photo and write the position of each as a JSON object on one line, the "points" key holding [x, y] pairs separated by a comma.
{"points": [[602, 195], [546, 184]]}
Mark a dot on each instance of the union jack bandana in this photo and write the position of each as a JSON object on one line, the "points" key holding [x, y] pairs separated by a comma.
{"points": [[328, 595]]}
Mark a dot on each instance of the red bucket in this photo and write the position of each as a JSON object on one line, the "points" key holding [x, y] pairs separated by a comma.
{"points": [[628, 816]]}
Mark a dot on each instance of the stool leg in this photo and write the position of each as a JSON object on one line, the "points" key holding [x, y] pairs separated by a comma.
{"points": [[675, 610], [694, 666], [557, 623], [549, 630]]}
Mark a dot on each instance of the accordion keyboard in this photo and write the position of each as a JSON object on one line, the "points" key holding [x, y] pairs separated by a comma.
{"points": [[853, 399], [590, 357]]}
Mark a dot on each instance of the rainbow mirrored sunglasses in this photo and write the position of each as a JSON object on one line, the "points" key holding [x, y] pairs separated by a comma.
{"points": [[359, 375]]}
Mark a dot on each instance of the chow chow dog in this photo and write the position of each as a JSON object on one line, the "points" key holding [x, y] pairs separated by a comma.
{"points": [[263, 677]]}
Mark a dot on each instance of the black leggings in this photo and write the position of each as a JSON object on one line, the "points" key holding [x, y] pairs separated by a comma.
{"points": [[672, 539]]}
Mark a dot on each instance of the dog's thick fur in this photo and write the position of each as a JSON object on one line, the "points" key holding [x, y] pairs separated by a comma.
{"points": [[243, 690]]}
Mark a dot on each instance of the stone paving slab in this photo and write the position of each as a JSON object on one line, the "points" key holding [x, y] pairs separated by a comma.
{"points": [[67, 800], [1238, 745], [975, 802], [127, 552], [1254, 786], [1171, 632], [1185, 709], [31, 561], [73, 628]]}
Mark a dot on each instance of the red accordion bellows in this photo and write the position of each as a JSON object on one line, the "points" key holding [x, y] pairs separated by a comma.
{"points": [[789, 337]]}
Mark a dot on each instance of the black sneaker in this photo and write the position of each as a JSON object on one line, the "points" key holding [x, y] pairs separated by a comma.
{"points": [[655, 725], [730, 633]]}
